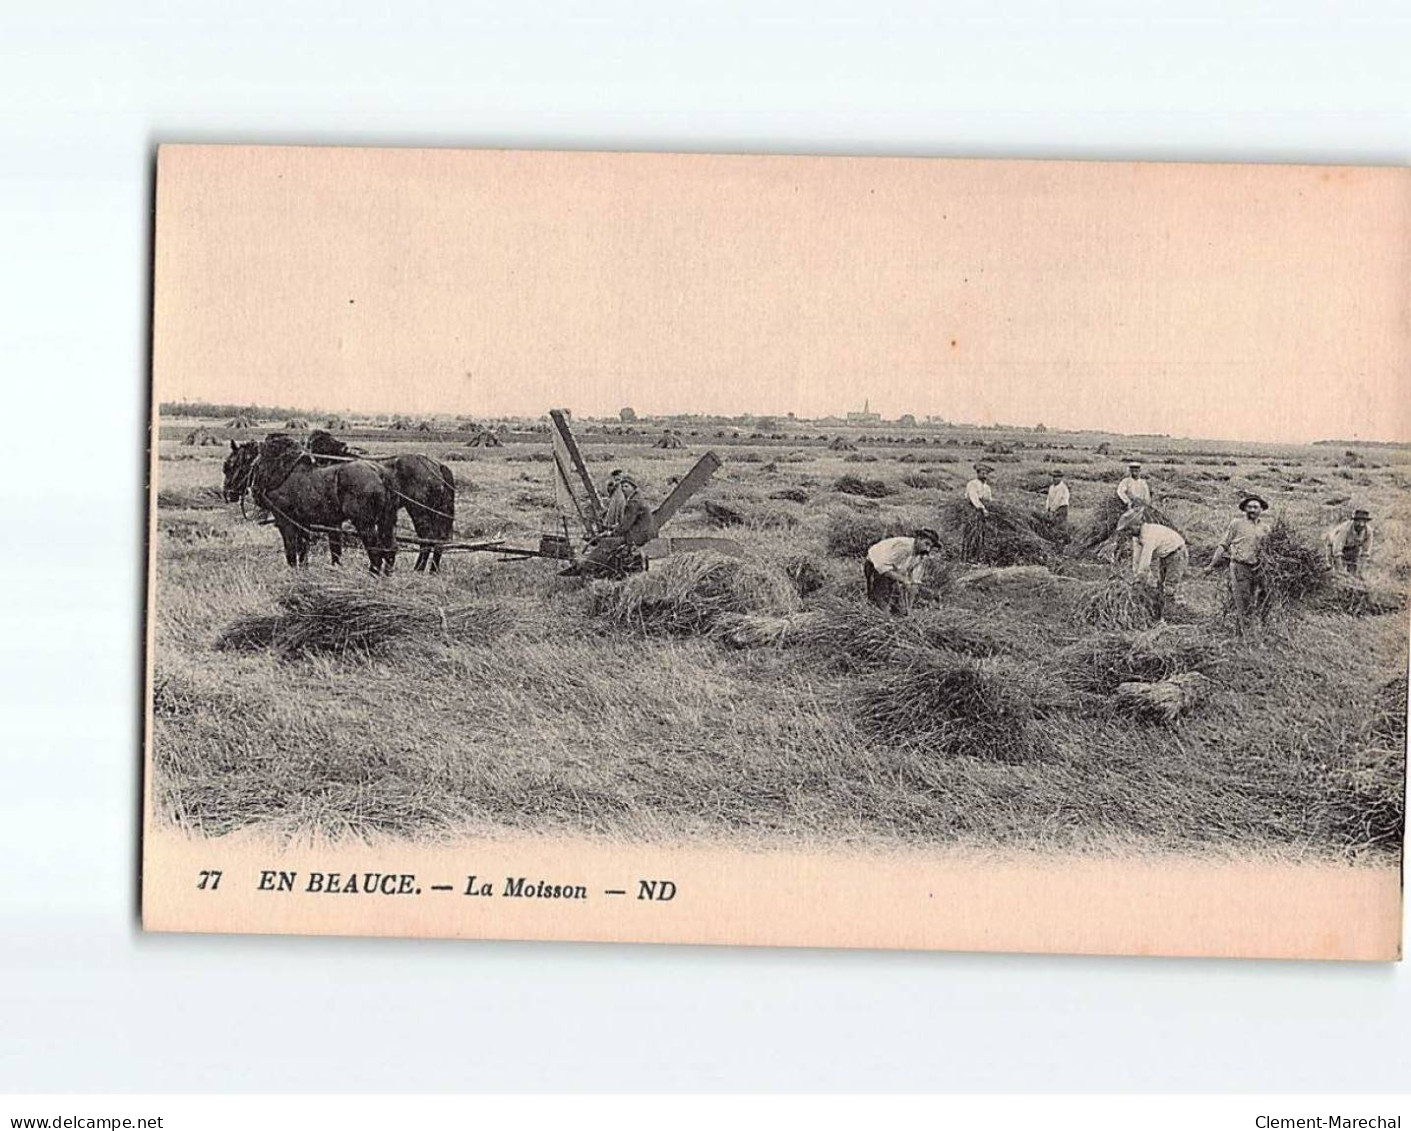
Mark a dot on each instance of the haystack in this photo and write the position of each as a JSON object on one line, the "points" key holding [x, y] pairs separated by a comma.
{"points": [[669, 439], [1166, 700], [953, 706], [1104, 661], [1102, 523], [1295, 571], [1004, 536], [688, 593], [1358, 598], [809, 574], [200, 438], [296, 424], [721, 515], [790, 495], [1120, 602], [866, 488], [356, 613], [425, 426], [485, 439], [241, 422], [838, 444], [850, 535]]}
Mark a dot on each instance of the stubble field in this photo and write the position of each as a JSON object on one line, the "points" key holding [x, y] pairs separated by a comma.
{"points": [[546, 705]]}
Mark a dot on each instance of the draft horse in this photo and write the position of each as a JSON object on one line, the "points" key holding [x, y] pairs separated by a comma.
{"points": [[426, 490], [305, 499]]}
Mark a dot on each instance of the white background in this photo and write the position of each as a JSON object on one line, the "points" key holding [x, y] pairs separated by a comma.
{"points": [[88, 1003]]}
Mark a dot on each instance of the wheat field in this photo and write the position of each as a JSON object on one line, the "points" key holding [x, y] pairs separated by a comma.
{"points": [[773, 706]]}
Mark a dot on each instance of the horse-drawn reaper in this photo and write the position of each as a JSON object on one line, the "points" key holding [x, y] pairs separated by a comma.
{"points": [[314, 489]]}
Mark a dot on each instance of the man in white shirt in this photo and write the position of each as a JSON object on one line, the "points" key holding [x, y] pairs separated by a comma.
{"points": [[978, 490], [894, 567], [1133, 488], [1161, 553], [1057, 502]]}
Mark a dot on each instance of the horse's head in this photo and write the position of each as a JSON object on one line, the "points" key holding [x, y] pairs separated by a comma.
{"points": [[239, 466]]}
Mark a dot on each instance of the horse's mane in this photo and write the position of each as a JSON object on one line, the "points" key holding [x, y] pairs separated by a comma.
{"points": [[279, 455], [323, 443]]}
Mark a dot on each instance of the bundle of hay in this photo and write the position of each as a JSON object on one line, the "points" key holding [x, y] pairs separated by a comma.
{"points": [[922, 481], [688, 593], [850, 535], [1005, 536], [241, 422], [1116, 603], [200, 438], [954, 706], [360, 614], [484, 439], [296, 424], [1102, 523], [1101, 663], [790, 495], [1359, 599], [759, 630], [857, 637], [867, 488], [425, 426], [1294, 570], [669, 439], [1166, 700], [721, 515], [809, 574], [838, 444]]}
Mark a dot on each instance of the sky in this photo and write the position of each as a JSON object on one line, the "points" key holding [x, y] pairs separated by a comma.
{"points": [[1236, 302]]}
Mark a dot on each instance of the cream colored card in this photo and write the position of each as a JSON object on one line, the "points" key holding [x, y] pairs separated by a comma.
{"points": [[873, 651]]}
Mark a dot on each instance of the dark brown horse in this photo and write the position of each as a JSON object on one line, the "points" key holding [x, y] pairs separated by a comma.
{"points": [[306, 499], [425, 488]]}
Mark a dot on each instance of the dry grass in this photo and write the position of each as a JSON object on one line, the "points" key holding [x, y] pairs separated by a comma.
{"points": [[1295, 570], [1166, 700], [688, 593], [1115, 603], [357, 613], [1003, 537], [809, 720]]}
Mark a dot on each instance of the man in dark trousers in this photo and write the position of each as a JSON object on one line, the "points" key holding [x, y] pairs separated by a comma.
{"points": [[611, 555], [894, 567]]}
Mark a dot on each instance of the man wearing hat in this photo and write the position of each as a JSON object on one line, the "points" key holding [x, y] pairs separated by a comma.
{"points": [[1133, 488], [978, 490], [894, 567], [614, 502], [1056, 504], [1240, 546], [1350, 541], [635, 527]]}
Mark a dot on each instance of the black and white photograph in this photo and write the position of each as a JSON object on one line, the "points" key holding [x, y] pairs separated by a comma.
{"points": [[945, 514]]}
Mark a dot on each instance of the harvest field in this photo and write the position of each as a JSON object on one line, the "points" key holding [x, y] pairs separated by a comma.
{"points": [[764, 700]]}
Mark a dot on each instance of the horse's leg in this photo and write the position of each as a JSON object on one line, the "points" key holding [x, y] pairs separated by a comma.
{"points": [[436, 559], [303, 540], [291, 546]]}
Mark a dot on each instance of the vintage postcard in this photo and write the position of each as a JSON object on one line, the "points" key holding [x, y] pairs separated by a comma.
{"points": [[869, 552]]}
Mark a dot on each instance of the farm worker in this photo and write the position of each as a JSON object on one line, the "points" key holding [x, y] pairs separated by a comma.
{"points": [[1134, 489], [1240, 546], [612, 513], [1351, 541], [978, 490], [894, 567], [635, 527], [1057, 502], [1163, 557]]}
